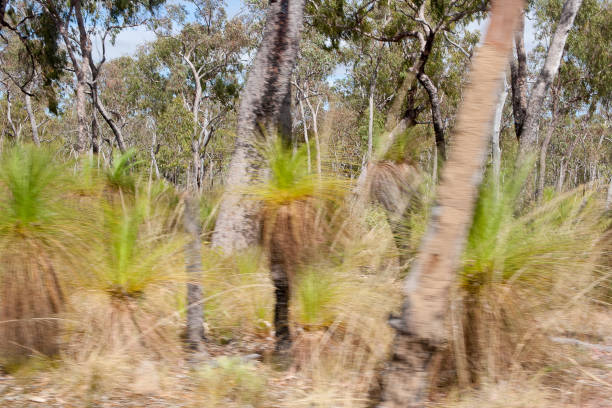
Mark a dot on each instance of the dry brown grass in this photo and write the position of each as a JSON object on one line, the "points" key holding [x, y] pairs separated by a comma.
{"points": [[31, 299]]}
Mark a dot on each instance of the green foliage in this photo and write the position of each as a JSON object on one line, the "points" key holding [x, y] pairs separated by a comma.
{"points": [[316, 299], [290, 179], [119, 175], [133, 252], [32, 183], [502, 246]]}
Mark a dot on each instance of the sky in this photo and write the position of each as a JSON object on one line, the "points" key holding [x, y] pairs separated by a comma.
{"points": [[128, 41]]}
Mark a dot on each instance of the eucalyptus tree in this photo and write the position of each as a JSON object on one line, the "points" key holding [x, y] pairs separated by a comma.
{"points": [[205, 64], [315, 65], [420, 26], [79, 23]]}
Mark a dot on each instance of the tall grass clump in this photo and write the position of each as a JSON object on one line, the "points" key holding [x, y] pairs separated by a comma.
{"points": [[519, 273], [36, 232], [133, 267]]}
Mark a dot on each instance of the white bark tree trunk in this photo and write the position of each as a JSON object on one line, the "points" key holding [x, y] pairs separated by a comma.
{"points": [[547, 74]]}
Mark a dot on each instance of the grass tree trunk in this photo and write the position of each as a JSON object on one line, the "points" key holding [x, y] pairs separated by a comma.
{"points": [[237, 225], [535, 106], [420, 330], [193, 260]]}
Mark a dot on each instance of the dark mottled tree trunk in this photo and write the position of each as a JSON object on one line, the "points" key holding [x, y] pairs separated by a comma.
{"points": [[529, 135], [436, 115], [518, 80], [264, 112], [420, 330]]}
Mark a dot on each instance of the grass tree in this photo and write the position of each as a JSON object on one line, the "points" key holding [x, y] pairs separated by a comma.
{"points": [[294, 223], [36, 231]]}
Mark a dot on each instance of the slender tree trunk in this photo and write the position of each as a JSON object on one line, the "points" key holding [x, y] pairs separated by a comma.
{"points": [[518, 80], [193, 258], [546, 143], [305, 134], [9, 115], [420, 330], [542, 165], [315, 130], [609, 198], [547, 74], [33, 125], [263, 97], [436, 115], [114, 127], [561, 180], [371, 120], [495, 145]]}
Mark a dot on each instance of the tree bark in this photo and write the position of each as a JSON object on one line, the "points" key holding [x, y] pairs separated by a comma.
{"points": [[301, 102], [371, 121], [193, 260], [518, 79], [263, 97], [547, 74], [436, 115], [609, 198], [421, 328], [495, 144], [546, 143], [33, 125]]}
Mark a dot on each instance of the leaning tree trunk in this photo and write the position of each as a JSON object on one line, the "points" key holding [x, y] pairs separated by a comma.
{"points": [[549, 70], [420, 330]]}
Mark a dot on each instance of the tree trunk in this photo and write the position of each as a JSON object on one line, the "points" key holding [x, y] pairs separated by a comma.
{"points": [[371, 121], [495, 145], [436, 115], [561, 180], [28, 103], [546, 142], [421, 328], [518, 79], [547, 74], [116, 130], [609, 198], [305, 134], [193, 260], [263, 96], [315, 130]]}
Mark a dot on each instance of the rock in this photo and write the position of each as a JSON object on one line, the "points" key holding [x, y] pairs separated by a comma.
{"points": [[34, 398]]}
